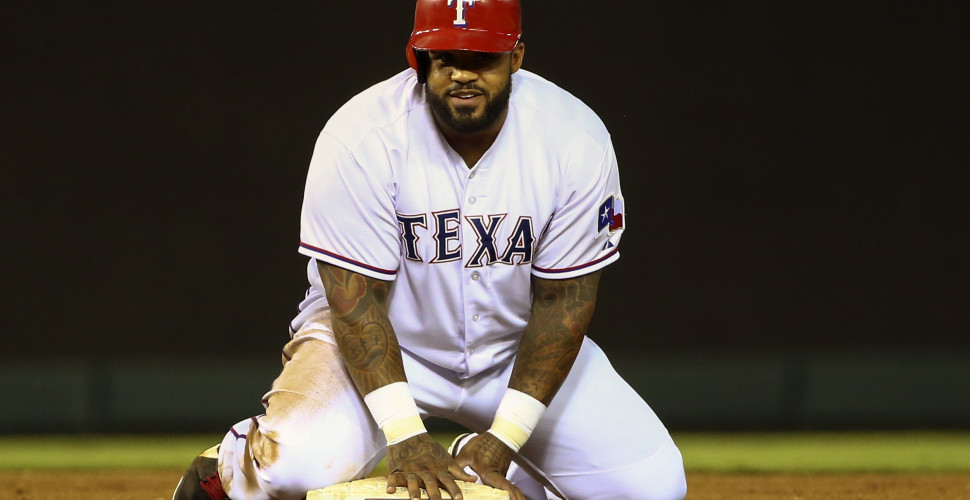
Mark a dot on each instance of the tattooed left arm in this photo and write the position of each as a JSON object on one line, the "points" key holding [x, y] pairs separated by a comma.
{"points": [[561, 312]]}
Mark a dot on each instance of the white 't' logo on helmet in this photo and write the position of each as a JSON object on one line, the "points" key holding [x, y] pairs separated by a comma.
{"points": [[460, 17]]}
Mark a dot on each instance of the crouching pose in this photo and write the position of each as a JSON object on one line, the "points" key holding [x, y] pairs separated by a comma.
{"points": [[457, 217]]}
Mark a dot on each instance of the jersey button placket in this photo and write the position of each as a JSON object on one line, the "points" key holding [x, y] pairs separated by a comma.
{"points": [[474, 186], [473, 324], [474, 198]]}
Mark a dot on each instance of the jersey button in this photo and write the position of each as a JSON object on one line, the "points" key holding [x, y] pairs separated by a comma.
{"points": [[472, 200], [475, 317], [475, 276]]}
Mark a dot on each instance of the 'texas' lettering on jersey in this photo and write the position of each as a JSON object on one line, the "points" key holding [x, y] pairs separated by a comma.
{"points": [[445, 228]]}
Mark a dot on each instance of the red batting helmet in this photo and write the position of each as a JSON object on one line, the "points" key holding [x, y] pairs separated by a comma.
{"points": [[479, 25]]}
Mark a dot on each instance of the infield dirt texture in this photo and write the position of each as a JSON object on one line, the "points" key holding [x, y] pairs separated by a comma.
{"points": [[757, 466], [158, 485]]}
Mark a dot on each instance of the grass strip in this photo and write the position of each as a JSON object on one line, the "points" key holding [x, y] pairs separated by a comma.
{"points": [[826, 452], [703, 452]]}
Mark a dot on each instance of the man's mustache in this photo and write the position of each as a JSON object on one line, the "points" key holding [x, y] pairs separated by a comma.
{"points": [[460, 86]]}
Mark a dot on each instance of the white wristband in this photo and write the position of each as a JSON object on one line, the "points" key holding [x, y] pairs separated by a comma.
{"points": [[516, 418], [394, 411]]}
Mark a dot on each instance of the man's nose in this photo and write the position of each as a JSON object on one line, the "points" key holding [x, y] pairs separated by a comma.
{"points": [[463, 75]]}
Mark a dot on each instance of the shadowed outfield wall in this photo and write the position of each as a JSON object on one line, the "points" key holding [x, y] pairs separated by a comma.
{"points": [[797, 242], [710, 391]]}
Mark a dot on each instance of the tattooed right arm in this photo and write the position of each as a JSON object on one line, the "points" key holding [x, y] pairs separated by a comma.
{"points": [[359, 307]]}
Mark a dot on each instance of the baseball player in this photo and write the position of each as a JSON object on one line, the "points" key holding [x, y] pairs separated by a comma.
{"points": [[457, 217]]}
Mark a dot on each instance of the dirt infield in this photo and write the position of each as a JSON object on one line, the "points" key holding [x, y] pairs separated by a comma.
{"points": [[158, 485], [828, 487]]}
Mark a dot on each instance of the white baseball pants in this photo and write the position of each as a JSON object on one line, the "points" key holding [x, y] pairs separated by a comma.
{"points": [[597, 440]]}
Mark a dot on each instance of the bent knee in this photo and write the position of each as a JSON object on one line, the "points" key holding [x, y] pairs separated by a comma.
{"points": [[290, 458], [665, 475], [660, 476], [672, 486]]}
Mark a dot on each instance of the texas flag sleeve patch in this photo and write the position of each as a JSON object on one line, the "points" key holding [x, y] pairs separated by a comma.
{"points": [[610, 214]]}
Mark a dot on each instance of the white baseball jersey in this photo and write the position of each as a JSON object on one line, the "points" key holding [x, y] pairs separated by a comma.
{"points": [[387, 197]]}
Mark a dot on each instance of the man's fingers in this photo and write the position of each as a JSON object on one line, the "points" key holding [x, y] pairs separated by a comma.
{"points": [[407, 480], [497, 480], [460, 474], [448, 481], [395, 480], [414, 486], [431, 485]]}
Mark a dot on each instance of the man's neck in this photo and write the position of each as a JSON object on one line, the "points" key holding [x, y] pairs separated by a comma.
{"points": [[472, 146]]}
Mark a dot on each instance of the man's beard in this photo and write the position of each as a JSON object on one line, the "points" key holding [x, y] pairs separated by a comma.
{"points": [[462, 120]]}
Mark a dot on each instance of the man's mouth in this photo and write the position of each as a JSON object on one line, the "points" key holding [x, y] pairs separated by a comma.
{"points": [[465, 95]]}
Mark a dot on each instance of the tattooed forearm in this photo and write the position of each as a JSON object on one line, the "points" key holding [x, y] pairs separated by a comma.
{"points": [[561, 312], [358, 307]]}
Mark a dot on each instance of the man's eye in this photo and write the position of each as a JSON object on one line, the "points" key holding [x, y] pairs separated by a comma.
{"points": [[486, 59]]}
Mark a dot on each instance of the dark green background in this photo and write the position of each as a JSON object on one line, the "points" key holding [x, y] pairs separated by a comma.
{"points": [[793, 177]]}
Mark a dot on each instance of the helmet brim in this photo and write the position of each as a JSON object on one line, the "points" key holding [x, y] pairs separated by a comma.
{"points": [[464, 39]]}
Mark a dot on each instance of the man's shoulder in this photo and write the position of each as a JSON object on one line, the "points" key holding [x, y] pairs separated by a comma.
{"points": [[559, 110], [546, 108], [377, 107]]}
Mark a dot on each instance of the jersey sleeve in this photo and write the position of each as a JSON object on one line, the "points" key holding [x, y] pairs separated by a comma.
{"points": [[583, 234], [348, 217]]}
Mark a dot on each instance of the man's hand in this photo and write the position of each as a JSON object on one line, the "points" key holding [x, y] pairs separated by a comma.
{"points": [[490, 458], [421, 462]]}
